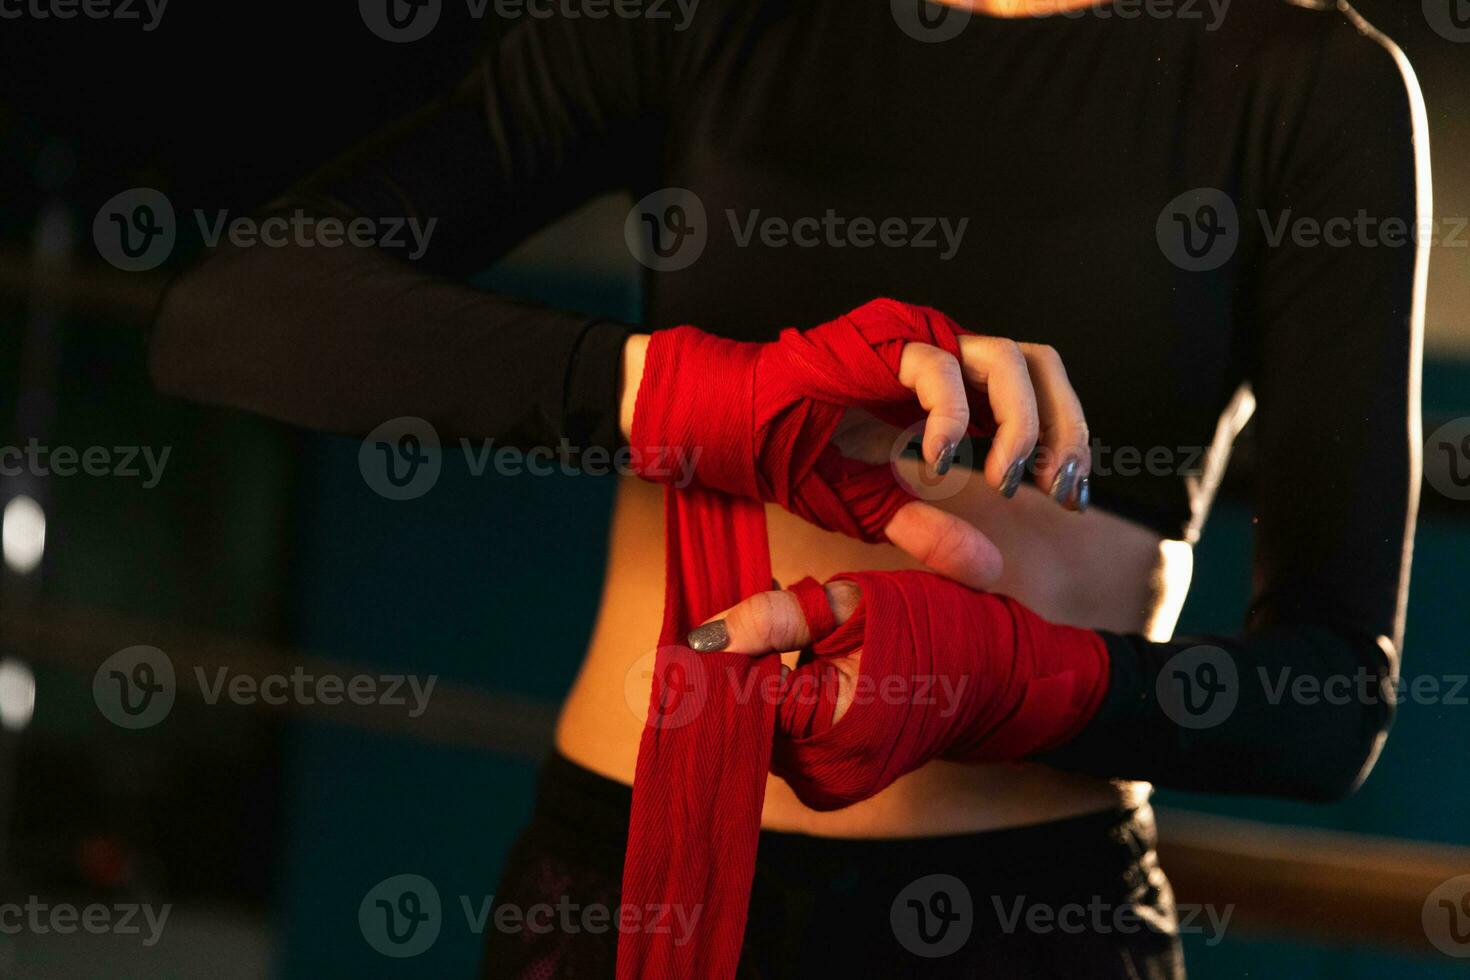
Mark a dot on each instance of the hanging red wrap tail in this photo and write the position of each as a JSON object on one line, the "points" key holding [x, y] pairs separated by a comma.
{"points": [[702, 764]]}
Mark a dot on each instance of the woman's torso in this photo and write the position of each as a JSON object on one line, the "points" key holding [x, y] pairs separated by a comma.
{"points": [[1025, 177]]}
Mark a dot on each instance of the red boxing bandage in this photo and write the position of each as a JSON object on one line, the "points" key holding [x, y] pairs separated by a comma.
{"points": [[946, 673], [1002, 683], [756, 420]]}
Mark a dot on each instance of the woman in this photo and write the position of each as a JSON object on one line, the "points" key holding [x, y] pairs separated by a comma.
{"points": [[1093, 155]]}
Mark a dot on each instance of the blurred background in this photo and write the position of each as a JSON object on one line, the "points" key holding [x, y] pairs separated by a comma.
{"points": [[252, 550]]}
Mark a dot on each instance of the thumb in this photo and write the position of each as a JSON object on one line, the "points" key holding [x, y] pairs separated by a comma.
{"points": [[770, 622], [946, 543]]}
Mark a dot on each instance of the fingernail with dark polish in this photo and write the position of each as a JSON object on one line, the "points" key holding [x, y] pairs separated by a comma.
{"points": [[710, 637], [945, 459], [1084, 493], [1012, 481], [1066, 479]]}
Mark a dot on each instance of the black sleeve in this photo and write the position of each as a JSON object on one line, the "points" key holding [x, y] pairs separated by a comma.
{"points": [[1303, 699], [344, 338]]}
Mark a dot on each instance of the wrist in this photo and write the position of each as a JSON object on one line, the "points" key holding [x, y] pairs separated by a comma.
{"points": [[630, 376]]}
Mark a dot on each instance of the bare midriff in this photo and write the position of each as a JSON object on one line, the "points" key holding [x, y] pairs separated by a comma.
{"points": [[1093, 569]]}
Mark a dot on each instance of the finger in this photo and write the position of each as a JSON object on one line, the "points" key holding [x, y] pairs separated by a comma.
{"points": [[935, 377], [999, 367], [946, 543], [1065, 459], [770, 622]]}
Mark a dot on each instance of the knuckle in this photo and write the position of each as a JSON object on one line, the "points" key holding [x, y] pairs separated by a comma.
{"points": [[1011, 351], [946, 545], [786, 620], [750, 618], [771, 621], [1046, 356], [932, 359], [844, 597], [1027, 422]]}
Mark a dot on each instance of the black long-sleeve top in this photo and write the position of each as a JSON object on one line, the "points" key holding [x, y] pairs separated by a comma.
{"points": [[1025, 176]]}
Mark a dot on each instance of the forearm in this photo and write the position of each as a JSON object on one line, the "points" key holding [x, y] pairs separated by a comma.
{"points": [[1293, 711], [344, 339]]}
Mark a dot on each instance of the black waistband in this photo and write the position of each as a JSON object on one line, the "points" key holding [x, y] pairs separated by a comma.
{"points": [[589, 813]]}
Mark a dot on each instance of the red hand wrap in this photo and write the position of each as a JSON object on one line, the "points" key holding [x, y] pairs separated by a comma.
{"points": [[757, 419], [946, 672], [1008, 683]]}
